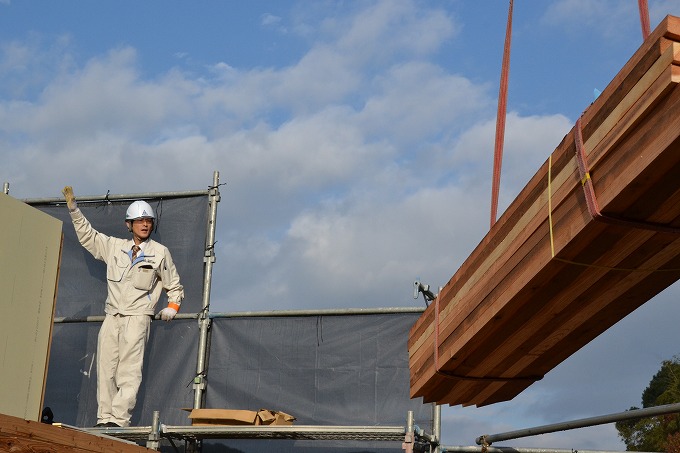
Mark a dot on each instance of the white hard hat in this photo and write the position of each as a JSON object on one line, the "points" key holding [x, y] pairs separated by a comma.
{"points": [[139, 210]]}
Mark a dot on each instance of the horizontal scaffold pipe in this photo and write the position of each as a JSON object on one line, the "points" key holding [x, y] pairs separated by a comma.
{"points": [[320, 312], [581, 423], [474, 449], [100, 318], [269, 314], [119, 197]]}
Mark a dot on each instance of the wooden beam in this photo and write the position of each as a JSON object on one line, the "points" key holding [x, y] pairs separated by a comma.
{"points": [[27, 436]]}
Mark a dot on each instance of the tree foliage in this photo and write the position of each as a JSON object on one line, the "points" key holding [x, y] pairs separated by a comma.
{"points": [[660, 433]]}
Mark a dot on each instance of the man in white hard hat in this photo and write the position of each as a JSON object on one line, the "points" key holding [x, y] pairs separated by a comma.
{"points": [[137, 271]]}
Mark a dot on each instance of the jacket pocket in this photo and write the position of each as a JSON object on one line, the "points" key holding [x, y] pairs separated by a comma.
{"points": [[116, 270], [143, 277]]}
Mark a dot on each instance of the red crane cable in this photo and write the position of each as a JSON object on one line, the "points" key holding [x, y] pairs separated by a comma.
{"points": [[644, 18], [503, 100], [591, 198], [500, 119]]}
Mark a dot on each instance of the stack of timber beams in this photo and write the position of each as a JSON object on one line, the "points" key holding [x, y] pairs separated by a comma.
{"points": [[549, 277]]}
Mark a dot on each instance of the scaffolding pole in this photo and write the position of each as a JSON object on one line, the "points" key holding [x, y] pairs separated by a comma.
{"points": [[487, 439], [204, 315], [437, 426], [319, 312], [266, 314], [474, 449], [117, 197]]}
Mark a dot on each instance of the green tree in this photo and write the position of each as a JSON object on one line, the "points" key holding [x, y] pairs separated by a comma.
{"points": [[660, 433]]}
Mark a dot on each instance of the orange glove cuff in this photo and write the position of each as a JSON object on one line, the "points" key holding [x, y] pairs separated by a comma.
{"points": [[173, 305]]}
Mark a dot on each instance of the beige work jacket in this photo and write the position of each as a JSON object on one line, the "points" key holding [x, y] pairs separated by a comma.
{"points": [[133, 288]]}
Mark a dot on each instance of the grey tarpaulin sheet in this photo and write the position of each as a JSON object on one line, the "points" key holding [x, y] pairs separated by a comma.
{"points": [[324, 370], [169, 368], [349, 370], [328, 370], [181, 226]]}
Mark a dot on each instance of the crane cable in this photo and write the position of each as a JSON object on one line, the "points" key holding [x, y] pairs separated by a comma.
{"points": [[644, 18], [503, 100], [500, 118]]}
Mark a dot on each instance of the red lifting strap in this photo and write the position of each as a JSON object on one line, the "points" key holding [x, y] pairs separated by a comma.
{"points": [[591, 199], [500, 119], [502, 108], [644, 18]]}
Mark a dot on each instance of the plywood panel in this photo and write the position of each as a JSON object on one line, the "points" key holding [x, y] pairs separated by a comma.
{"points": [[30, 246]]}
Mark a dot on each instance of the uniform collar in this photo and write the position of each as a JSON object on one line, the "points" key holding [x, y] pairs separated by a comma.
{"points": [[143, 245], [145, 248]]}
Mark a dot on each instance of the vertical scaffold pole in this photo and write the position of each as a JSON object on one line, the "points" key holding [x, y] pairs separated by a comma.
{"points": [[437, 425], [154, 440], [204, 315]]}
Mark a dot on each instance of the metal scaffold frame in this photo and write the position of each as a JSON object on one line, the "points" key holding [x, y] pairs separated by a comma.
{"points": [[209, 259], [203, 316], [412, 437]]}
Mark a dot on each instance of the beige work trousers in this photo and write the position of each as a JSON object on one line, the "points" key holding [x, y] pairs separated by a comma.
{"points": [[120, 357]]}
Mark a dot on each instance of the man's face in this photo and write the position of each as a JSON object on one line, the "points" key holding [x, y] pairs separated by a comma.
{"points": [[141, 228]]}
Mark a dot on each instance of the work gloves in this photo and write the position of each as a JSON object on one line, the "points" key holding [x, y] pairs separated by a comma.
{"points": [[168, 313], [70, 198]]}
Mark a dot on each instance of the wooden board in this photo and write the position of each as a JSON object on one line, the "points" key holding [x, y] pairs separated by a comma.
{"points": [[548, 277], [24, 436], [30, 247]]}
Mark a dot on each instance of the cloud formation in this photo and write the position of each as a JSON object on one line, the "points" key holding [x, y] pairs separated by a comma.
{"points": [[351, 169]]}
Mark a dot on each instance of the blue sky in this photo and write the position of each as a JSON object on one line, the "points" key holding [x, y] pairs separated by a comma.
{"points": [[355, 139]]}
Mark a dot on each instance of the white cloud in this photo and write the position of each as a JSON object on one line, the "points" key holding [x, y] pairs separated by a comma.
{"points": [[357, 194], [106, 95], [27, 65], [378, 196], [349, 172], [372, 240], [269, 19], [415, 101], [370, 35], [600, 16]]}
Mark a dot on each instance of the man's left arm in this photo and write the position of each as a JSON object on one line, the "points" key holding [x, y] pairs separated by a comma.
{"points": [[172, 286]]}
